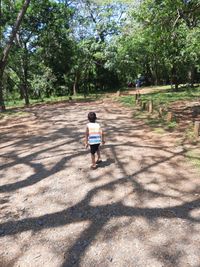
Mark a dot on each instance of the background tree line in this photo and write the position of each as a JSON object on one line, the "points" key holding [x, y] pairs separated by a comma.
{"points": [[81, 46]]}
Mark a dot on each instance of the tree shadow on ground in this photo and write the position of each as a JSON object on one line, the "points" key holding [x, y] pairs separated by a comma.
{"points": [[41, 173], [97, 215], [106, 163]]}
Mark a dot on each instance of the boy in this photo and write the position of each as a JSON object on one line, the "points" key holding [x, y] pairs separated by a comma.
{"points": [[94, 137]]}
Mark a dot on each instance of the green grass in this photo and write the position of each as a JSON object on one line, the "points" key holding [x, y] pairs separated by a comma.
{"points": [[194, 157], [160, 125], [164, 96], [20, 103], [127, 100], [12, 113], [167, 97], [12, 104]]}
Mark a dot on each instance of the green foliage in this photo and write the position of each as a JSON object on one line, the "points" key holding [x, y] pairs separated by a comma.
{"points": [[171, 125], [70, 47], [43, 84], [194, 157], [154, 42]]}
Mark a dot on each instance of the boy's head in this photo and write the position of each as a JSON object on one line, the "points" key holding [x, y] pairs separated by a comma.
{"points": [[92, 116]]}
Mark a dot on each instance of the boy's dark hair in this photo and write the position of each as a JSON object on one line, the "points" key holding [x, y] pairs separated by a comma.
{"points": [[92, 116]]}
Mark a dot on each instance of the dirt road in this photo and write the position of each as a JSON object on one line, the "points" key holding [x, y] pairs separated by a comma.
{"points": [[141, 207]]}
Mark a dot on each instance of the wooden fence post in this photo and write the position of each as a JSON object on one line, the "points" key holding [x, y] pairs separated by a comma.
{"points": [[140, 102], [118, 93], [150, 106], [160, 112], [197, 128], [137, 96], [169, 116], [144, 105]]}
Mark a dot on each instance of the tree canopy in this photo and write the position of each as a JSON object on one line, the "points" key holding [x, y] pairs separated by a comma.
{"points": [[67, 47]]}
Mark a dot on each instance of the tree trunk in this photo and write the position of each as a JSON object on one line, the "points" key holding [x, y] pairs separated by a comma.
{"points": [[174, 78], [21, 91], [2, 104], [156, 73], [4, 58], [25, 93], [25, 79], [191, 76], [176, 83], [75, 84], [24, 69], [148, 73]]}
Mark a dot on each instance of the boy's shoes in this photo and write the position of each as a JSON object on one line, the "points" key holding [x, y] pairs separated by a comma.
{"points": [[93, 167]]}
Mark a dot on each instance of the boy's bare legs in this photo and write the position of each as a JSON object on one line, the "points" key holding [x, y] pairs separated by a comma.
{"points": [[93, 161], [98, 155]]}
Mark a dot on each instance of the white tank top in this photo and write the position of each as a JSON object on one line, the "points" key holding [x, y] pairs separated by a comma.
{"points": [[94, 133]]}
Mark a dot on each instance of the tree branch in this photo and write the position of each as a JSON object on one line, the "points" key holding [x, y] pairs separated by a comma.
{"points": [[13, 35]]}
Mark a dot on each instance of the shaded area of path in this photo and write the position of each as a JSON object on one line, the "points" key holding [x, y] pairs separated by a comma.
{"points": [[140, 207]]}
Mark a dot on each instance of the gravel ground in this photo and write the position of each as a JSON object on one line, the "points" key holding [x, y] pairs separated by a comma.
{"points": [[141, 207]]}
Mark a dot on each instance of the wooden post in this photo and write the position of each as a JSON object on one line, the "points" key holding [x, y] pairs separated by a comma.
{"points": [[140, 102], [118, 93], [147, 106], [169, 116], [197, 128], [144, 105], [137, 96], [160, 112], [150, 106], [195, 111]]}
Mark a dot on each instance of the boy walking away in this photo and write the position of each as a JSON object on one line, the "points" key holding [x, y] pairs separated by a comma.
{"points": [[94, 137]]}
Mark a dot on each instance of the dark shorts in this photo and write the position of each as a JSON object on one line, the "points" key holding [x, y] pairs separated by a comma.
{"points": [[94, 148]]}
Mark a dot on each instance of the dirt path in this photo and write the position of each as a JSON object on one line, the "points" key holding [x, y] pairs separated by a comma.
{"points": [[141, 207]]}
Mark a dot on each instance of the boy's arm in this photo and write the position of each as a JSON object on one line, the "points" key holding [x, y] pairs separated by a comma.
{"points": [[86, 137]]}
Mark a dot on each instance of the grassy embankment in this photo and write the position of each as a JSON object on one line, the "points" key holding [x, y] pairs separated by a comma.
{"points": [[165, 97], [162, 97]]}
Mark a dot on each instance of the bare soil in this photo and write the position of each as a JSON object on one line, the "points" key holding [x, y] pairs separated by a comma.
{"points": [[141, 207]]}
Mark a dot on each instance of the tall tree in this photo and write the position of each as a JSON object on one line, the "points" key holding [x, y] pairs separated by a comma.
{"points": [[95, 25], [156, 37], [4, 57]]}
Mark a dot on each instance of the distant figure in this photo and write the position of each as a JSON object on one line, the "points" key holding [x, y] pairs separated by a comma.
{"points": [[94, 137], [130, 84], [138, 85]]}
